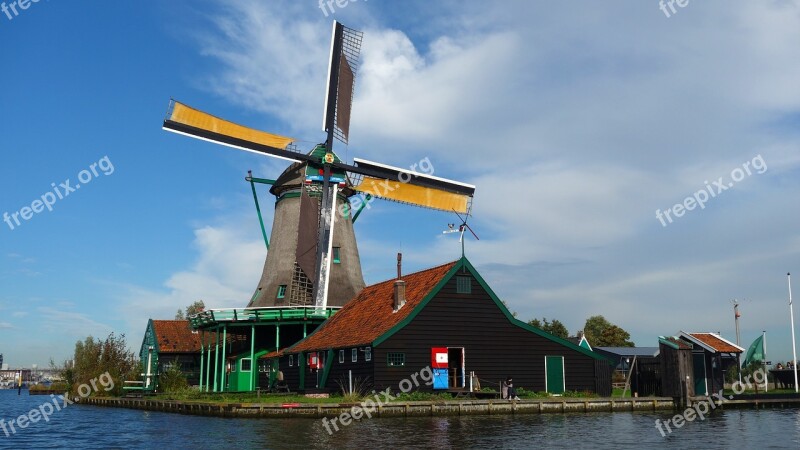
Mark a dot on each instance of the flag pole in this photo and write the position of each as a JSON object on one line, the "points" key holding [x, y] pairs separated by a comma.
{"points": [[791, 317], [764, 363]]}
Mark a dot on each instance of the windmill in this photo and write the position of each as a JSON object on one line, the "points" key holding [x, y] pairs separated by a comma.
{"points": [[451, 228], [316, 196]]}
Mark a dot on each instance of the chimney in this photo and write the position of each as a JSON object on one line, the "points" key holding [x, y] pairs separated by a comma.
{"points": [[399, 265], [399, 286]]}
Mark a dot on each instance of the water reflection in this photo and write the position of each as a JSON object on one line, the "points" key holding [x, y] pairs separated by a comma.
{"points": [[93, 427]]}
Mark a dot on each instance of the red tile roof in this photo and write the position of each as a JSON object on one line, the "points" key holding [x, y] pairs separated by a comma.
{"points": [[371, 314], [717, 342], [175, 336]]}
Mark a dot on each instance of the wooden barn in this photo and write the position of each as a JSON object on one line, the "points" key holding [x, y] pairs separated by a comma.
{"points": [[448, 321]]}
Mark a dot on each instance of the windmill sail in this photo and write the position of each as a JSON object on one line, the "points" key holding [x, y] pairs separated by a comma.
{"points": [[425, 197], [308, 255], [414, 188], [342, 67], [183, 119]]}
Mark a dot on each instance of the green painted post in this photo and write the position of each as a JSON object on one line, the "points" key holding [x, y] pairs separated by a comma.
{"points": [[216, 362], [301, 366], [367, 199], [305, 329], [258, 208], [224, 363], [208, 366], [327, 370], [202, 348], [252, 357], [277, 337]]}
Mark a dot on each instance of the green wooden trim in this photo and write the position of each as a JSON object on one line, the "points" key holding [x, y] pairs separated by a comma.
{"points": [[202, 353], [301, 366], [260, 180], [152, 330], [366, 200], [327, 370], [464, 263], [522, 324], [223, 361], [253, 360], [258, 210]]}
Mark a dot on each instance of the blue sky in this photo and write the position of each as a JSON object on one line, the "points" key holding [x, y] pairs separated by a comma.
{"points": [[576, 121]]}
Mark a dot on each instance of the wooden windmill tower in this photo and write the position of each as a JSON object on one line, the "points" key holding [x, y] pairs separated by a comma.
{"points": [[313, 257]]}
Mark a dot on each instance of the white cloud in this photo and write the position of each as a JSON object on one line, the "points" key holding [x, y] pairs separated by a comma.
{"points": [[576, 124], [224, 275]]}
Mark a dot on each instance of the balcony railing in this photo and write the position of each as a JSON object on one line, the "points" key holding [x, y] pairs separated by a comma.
{"points": [[260, 314]]}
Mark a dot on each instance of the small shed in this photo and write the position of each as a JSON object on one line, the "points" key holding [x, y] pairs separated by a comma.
{"points": [[646, 376], [677, 378], [712, 356]]}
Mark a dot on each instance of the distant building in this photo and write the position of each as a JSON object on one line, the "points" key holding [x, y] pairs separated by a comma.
{"points": [[580, 340], [645, 378]]}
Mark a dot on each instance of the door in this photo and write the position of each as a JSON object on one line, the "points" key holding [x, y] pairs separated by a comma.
{"points": [[554, 374], [699, 370], [455, 361]]}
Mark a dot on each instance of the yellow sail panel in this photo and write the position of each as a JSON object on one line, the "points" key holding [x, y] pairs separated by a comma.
{"points": [[415, 195], [187, 115]]}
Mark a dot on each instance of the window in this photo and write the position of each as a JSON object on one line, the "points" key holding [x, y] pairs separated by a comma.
{"points": [[246, 365], [291, 360], [354, 355], [336, 258], [368, 354], [395, 359], [282, 291], [341, 356], [463, 285]]}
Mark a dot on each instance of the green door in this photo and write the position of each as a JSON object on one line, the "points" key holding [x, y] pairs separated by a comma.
{"points": [[699, 370], [554, 369]]}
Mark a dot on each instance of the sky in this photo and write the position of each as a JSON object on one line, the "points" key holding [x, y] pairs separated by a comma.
{"points": [[579, 123]]}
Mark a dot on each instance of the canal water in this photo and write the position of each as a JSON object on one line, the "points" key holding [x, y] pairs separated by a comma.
{"points": [[95, 427]]}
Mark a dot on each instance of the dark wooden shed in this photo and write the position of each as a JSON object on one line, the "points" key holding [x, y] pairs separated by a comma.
{"points": [[677, 378]]}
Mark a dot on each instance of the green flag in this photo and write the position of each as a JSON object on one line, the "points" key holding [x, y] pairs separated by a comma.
{"points": [[755, 352]]}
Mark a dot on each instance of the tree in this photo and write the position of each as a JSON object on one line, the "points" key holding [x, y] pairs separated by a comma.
{"points": [[172, 380], [602, 333], [615, 336], [556, 328], [191, 310], [94, 358], [195, 308]]}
